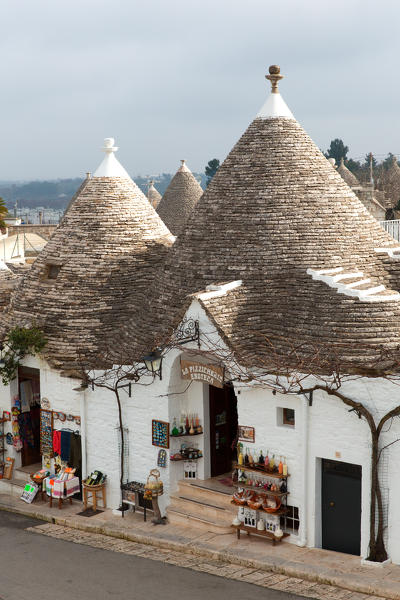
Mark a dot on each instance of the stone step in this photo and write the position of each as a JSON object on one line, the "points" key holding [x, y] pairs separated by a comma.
{"points": [[209, 496], [182, 519], [203, 510], [12, 487], [24, 473]]}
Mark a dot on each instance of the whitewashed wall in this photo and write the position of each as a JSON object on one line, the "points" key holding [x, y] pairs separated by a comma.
{"points": [[335, 434]]}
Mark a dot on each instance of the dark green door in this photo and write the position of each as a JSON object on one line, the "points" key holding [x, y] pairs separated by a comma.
{"points": [[341, 506]]}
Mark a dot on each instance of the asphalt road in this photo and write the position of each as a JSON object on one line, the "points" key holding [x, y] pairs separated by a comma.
{"points": [[36, 567]]}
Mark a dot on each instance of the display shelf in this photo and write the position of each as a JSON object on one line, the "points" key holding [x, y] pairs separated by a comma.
{"points": [[184, 435], [259, 490], [253, 530], [260, 470], [185, 458], [282, 511]]}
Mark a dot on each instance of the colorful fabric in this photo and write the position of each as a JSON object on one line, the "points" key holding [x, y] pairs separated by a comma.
{"points": [[65, 445], [58, 489], [57, 442], [25, 429], [72, 486]]}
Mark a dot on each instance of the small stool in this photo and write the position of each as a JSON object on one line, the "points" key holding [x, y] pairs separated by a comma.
{"points": [[94, 490]]}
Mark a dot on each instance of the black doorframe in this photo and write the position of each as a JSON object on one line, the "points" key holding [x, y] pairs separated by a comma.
{"points": [[223, 432], [341, 506]]}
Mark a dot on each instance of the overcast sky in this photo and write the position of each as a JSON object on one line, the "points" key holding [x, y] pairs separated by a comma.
{"points": [[171, 79]]}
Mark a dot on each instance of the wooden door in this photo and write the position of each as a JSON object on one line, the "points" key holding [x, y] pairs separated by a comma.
{"points": [[223, 428], [341, 507], [30, 421]]}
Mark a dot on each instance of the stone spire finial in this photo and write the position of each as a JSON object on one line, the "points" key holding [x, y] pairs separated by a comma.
{"points": [[274, 77], [183, 160], [109, 146], [342, 161]]}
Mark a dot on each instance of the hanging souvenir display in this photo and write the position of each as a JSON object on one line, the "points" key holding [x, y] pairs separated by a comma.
{"points": [[17, 442], [46, 432], [160, 433]]}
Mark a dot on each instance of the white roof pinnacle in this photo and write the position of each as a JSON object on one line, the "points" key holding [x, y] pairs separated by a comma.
{"points": [[110, 167], [275, 106], [183, 168]]}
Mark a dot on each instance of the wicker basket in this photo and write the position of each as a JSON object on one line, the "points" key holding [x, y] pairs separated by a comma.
{"points": [[154, 483]]}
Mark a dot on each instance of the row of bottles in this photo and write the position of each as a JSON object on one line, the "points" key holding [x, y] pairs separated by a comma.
{"points": [[189, 424], [267, 461]]}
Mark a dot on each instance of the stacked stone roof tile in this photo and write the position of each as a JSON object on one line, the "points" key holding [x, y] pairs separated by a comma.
{"points": [[347, 175], [276, 213], [153, 195], [179, 199], [93, 273]]}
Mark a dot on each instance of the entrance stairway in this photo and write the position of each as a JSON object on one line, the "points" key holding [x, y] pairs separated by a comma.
{"points": [[197, 504], [21, 477]]}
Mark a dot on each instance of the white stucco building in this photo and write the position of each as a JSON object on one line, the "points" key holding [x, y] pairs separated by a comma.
{"points": [[279, 263]]}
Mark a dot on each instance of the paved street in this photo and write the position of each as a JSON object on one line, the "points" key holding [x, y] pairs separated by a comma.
{"points": [[45, 567]]}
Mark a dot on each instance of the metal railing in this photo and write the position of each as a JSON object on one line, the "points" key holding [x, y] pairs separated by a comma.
{"points": [[392, 227]]}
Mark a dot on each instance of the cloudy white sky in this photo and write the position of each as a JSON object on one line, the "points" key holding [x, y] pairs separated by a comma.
{"points": [[171, 79]]}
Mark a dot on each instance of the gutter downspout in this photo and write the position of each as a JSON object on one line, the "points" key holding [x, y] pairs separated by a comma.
{"points": [[82, 407], [302, 542]]}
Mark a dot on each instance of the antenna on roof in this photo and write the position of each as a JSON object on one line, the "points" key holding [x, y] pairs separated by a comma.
{"points": [[371, 174], [274, 77]]}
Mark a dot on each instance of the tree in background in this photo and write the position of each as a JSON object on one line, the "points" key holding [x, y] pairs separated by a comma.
{"points": [[337, 150], [211, 168], [3, 213]]}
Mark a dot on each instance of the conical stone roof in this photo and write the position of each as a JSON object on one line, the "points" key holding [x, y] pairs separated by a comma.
{"points": [[392, 184], [347, 175], [306, 263], [153, 195], [179, 199], [94, 271]]}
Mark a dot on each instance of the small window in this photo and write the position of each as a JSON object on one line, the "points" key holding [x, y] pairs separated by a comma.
{"points": [[288, 417], [290, 522], [52, 271]]}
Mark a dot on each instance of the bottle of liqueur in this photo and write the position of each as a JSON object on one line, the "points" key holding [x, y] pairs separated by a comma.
{"points": [[246, 458], [261, 458], [175, 430], [251, 459], [266, 461], [187, 424], [240, 455], [280, 466], [272, 463], [283, 487], [284, 469]]}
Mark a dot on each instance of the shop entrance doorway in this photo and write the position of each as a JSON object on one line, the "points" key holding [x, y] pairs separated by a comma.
{"points": [[341, 506], [223, 429], [29, 417]]}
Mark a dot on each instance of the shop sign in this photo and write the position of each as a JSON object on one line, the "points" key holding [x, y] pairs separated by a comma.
{"points": [[211, 374]]}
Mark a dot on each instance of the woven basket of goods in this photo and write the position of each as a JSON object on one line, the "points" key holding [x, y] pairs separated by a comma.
{"points": [[238, 499], [255, 503], [272, 505], [154, 483]]}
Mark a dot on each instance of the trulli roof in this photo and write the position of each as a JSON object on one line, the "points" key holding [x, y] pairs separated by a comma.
{"points": [[304, 261], [153, 195], [95, 269], [392, 183], [179, 199], [347, 175]]}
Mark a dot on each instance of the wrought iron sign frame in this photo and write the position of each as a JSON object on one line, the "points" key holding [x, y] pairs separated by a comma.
{"points": [[188, 331]]}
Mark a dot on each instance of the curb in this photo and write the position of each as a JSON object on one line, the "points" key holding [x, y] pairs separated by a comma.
{"points": [[226, 557]]}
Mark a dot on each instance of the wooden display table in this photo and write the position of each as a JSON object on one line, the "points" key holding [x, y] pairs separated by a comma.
{"points": [[61, 489], [265, 534], [93, 490]]}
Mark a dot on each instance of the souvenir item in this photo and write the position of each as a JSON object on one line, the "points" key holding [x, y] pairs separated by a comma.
{"points": [[261, 525], [9, 438], [160, 433], [278, 532], [162, 458], [236, 522]]}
